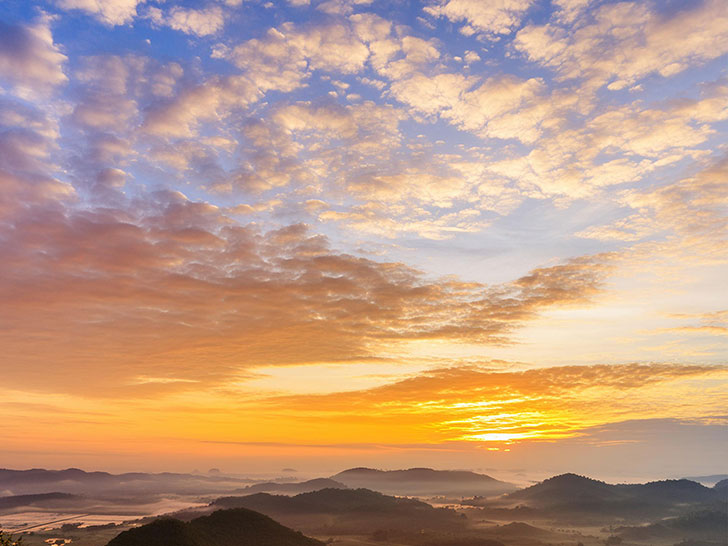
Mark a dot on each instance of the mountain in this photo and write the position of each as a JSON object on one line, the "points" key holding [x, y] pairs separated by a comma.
{"points": [[709, 480], [578, 494], [345, 511], [293, 488], [565, 489], [683, 491], [704, 524], [424, 481], [518, 532], [328, 501], [463, 541], [42, 499], [74, 480], [238, 527], [722, 485]]}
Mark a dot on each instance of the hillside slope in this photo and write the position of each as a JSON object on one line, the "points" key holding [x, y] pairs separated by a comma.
{"points": [[237, 527], [570, 493], [347, 511], [423, 481], [293, 488]]}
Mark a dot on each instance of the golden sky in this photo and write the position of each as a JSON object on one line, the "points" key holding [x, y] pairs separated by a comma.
{"points": [[327, 233]]}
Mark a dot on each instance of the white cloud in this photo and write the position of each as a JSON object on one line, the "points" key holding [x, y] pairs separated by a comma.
{"points": [[284, 58], [200, 22], [111, 12], [627, 41], [209, 101], [341, 7], [504, 107], [432, 95], [491, 17]]}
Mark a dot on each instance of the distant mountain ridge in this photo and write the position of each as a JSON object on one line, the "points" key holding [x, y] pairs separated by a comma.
{"points": [[292, 487], [328, 501], [38, 475], [709, 480], [348, 510], [706, 524], [15, 501], [75, 480], [423, 481], [237, 527], [576, 493]]}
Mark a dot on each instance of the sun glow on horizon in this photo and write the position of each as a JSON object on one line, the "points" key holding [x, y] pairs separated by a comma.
{"points": [[336, 229]]}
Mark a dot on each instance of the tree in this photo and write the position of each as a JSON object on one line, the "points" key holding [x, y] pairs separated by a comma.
{"points": [[8, 540]]}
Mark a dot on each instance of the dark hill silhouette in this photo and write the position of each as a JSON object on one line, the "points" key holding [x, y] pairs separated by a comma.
{"points": [[518, 532], [570, 493], [295, 487], [329, 501], [424, 481], [521, 528], [566, 489], [684, 491], [462, 541], [705, 521], [347, 511], [42, 499], [722, 485], [238, 527], [162, 532], [705, 524]]}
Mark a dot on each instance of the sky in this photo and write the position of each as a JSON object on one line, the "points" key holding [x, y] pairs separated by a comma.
{"points": [[316, 234]]}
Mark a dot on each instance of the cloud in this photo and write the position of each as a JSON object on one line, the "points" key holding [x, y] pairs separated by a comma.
{"points": [[706, 329], [200, 22], [504, 107], [488, 403], [28, 138], [374, 217], [572, 146], [569, 10], [711, 323], [491, 18], [110, 12], [341, 7], [209, 101], [594, 50], [354, 159], [416, 54], [287, 55], [90, 284], [432, 95], [691, 209], [575, 159], [134, 96], [127, 107], [29, 59], [302, 143]]}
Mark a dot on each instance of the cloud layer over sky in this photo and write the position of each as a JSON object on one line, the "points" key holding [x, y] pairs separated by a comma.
{"points": [[478, 222]]}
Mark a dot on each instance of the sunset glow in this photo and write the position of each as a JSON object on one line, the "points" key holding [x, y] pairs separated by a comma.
{"points": [[317, 233]]}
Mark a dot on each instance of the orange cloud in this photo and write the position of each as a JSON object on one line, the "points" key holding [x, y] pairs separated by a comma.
{"points": [[484, 404], [446, 411], [172, 288]]}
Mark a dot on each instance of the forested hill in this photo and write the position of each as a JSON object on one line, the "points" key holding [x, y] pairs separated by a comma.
{"points": [[235, 527]]}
